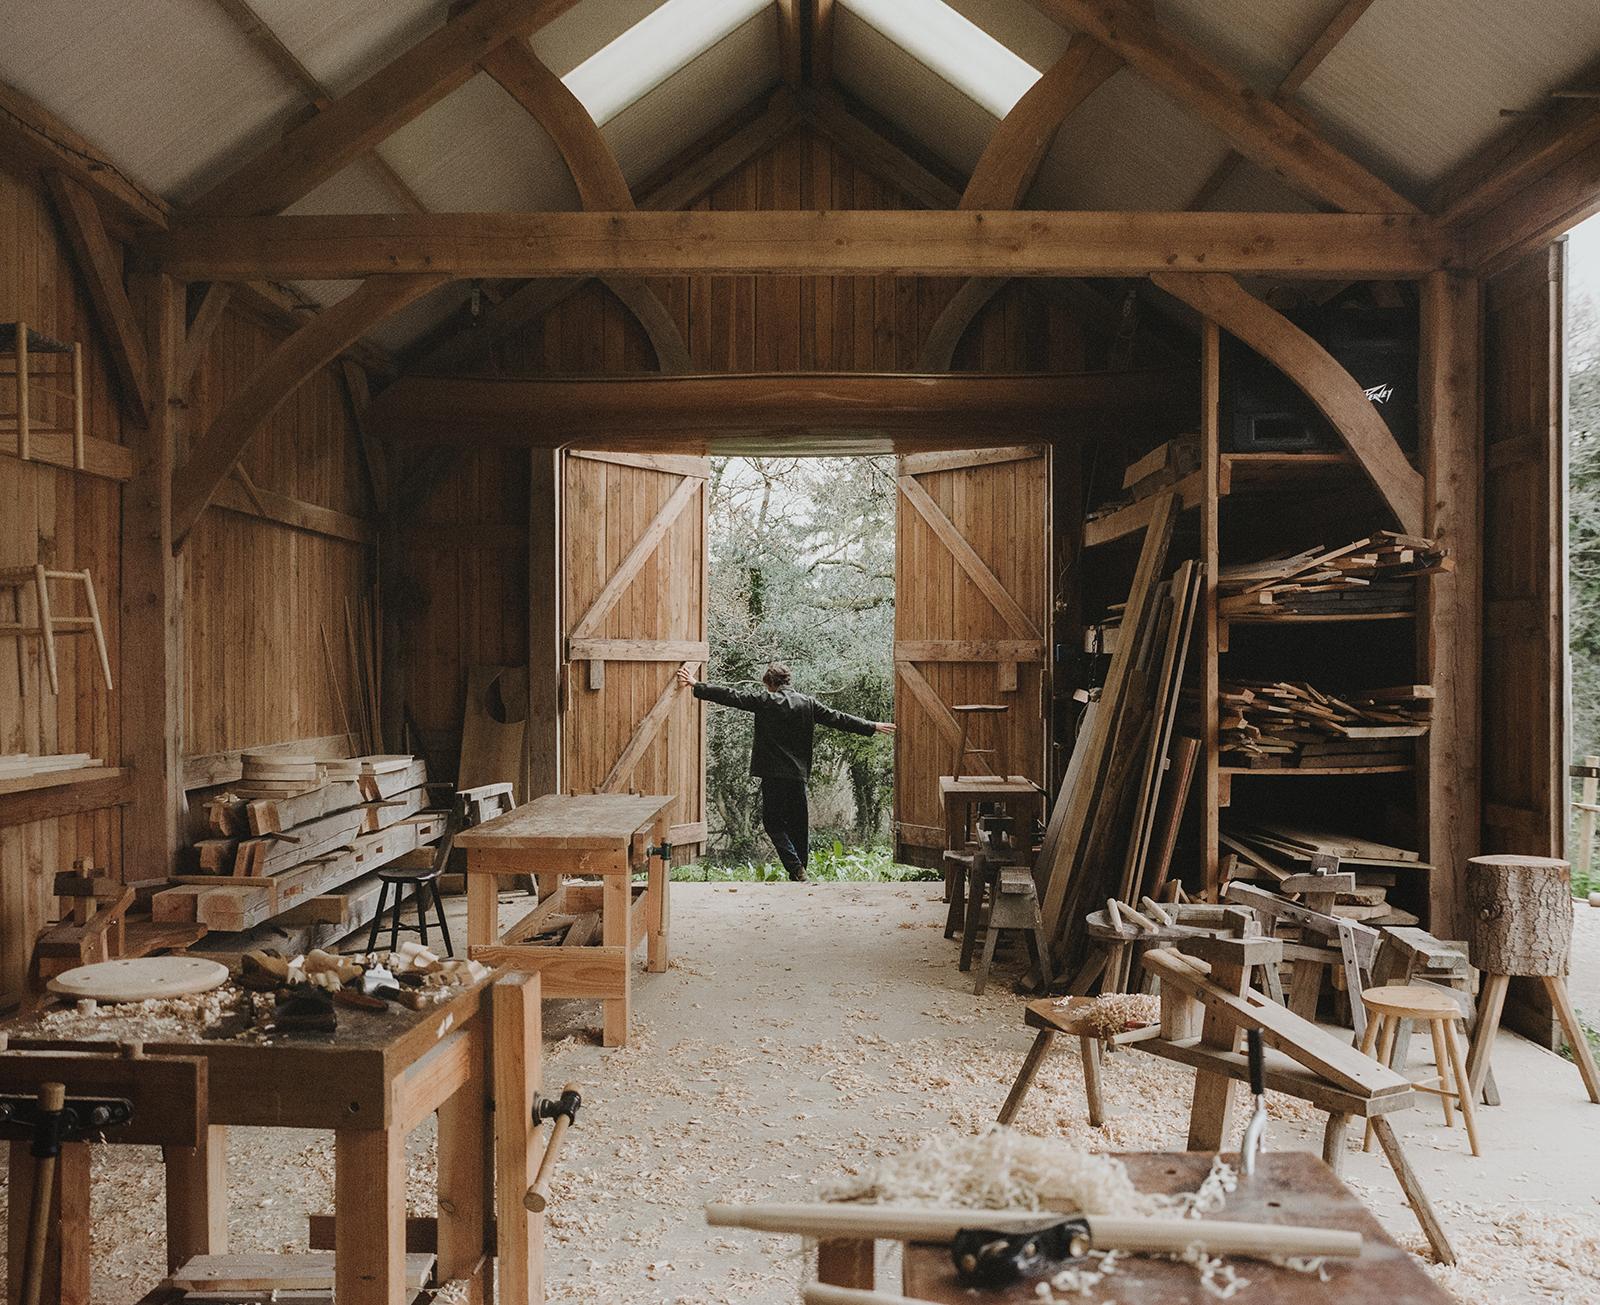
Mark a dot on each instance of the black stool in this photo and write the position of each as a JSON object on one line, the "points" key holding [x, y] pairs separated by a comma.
{"points": [[421, 882]]}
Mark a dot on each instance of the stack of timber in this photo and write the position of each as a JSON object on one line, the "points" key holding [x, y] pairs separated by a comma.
{"points": [[293, 831], [1268, 725], [1269, 853], [1161, 468], [1114, 822], [1367, 578]]}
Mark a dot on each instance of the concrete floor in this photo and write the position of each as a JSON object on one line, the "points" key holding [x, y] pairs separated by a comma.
{"points": [[803, 1031]]}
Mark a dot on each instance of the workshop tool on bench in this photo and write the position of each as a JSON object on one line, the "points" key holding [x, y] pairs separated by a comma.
{"points": [[1256, 1129], [53, 1121], [564, 1110], [994, 1247]]}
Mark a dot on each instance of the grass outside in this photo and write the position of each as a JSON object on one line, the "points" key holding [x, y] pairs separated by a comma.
{"points": [[831, 863]]}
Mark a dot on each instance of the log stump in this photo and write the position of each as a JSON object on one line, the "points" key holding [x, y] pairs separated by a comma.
{"points": [[1519, 915]]}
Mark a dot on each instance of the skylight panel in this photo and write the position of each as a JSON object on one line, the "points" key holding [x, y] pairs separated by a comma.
{"points": [[957, 49], [652, 50]]}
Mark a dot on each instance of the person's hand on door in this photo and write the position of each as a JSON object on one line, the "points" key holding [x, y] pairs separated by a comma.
{"points": [[686, 677], [884, 727]]}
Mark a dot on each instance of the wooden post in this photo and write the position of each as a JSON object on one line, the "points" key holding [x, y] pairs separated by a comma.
{"points": [[519, 1141], [615, 931], [545, 651], [1589, 794], [466, 1177], [1211, 642], [369, 1232], [150, 693], [1450, 603], [197, 1197]]}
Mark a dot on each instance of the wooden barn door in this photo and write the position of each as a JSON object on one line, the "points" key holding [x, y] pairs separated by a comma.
{"points": [[1524, 561], [971, 609], [633, 610]]}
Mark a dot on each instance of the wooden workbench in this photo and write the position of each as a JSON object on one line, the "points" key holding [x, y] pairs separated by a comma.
{"points": [[1289, 1187], [372, 1081], [557, 838]]}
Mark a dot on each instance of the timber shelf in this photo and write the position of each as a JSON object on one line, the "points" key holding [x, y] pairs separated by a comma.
{"points": [[60, 778], [1315, 618], [1396, 768], [1246, 473]]}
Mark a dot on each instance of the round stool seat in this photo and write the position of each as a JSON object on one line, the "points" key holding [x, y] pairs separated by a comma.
{"points": [[1412, 1001], [403, 876]]}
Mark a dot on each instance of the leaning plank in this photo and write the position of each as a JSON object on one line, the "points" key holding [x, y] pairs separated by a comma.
{"points": [[1336, 393]]}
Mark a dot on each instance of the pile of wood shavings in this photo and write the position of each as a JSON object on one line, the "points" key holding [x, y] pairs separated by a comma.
{"points": [[142, 1020], [1116, 1012]]}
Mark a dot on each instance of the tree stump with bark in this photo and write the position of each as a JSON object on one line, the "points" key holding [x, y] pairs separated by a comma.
{"points": [[1519, 912]]}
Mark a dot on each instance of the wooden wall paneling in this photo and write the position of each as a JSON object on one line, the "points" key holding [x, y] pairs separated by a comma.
{"points": [[1212, 797], [1524, 744], [65, 519]]}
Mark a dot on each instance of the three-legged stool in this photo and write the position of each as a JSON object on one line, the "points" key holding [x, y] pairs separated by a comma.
{"points": [[1398, 1005], [1051, 1017]]}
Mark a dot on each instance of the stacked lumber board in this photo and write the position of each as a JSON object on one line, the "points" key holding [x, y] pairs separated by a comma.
{"points": [[1268, 725], [1365, 578], [294, 829], [1161, 468], [1270, 852], [1115, 818]]}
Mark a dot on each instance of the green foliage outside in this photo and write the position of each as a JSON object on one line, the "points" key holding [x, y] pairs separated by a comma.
{"points": [[831, 863], [1583, 537], [802, 571]]}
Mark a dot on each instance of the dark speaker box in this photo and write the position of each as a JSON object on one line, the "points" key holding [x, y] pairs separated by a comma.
{"points": [[1263, 411]]}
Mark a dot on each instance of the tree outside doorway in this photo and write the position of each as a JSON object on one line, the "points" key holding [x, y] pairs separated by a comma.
{"points": [[802, 571]]}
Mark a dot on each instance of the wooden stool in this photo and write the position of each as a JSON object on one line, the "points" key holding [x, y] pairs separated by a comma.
{"points": [[1389, 1008], [49, 625], [1051, 1018], [1014, 904], [964, 749], [422, 883], [1519, 924]]}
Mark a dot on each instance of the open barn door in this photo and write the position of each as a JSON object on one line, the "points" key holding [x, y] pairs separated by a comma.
{"points": [[971, 612], [1524, 757], [633, 604]]}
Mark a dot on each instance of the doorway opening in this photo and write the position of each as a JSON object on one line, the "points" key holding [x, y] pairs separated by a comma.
{"points": [[801, 571], [1582, 353]]}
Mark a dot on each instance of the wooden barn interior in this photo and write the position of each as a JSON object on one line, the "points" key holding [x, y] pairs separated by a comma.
{"points": [[361, 365]]}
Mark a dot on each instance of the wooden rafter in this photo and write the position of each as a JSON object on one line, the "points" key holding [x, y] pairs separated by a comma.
{"points": [[358, 395], [791, 41], [983, 409], [313, 346], [100, 263], [207, 317], [870, 149], [1007, 169], [1322, 45], [1536, 215], [1337, 394], [595, 172], [307, 155], [683, 184], [1262, 131], [1310, 246], [820, 69], [288, 64]]}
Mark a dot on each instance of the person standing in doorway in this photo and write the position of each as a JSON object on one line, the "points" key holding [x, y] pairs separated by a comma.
{"points": [[780, 757]]}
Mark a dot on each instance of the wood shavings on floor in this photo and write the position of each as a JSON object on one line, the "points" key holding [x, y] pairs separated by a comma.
{"points": [[799, 1038]]}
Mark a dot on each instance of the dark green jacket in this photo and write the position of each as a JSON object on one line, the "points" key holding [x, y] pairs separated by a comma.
{"points": [[785, 724]]}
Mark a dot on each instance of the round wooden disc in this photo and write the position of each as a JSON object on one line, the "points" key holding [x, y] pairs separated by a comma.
{"points": [[141, 979]]}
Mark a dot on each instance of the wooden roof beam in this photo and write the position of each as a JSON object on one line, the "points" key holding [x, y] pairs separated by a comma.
{"points": [[872, 150], [307, 155], [100, 264], [1309, 246], [1332, 32], [1336, 393], [1262, 131], [316, 344], [1536, 215], [547, 412], [1007, 169]]}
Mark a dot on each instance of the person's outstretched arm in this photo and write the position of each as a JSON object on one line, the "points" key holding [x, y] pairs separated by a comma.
{"points": [[843, 720], [721, 694]]}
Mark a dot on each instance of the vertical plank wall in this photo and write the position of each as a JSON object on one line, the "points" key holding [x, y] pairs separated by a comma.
{"points": [[66, 519], [471, 535], [257, 594]]}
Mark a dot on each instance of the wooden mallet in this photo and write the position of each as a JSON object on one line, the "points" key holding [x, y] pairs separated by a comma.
{"points": [[564, 1110], [46, 1147]]}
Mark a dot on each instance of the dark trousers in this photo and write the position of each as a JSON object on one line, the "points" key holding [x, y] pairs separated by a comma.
{"points": [[787, 820]]}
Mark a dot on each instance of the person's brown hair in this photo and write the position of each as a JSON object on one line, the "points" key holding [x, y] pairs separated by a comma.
{"points": [[776, 677]]}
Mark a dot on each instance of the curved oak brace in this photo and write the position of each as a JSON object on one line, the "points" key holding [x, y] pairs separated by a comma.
{"points": [[1010, 162], [596, 173], [1337, 394], [314, 345]]}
